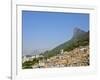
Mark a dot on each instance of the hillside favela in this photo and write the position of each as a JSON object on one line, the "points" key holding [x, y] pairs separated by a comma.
{"points": [[71, 53]]}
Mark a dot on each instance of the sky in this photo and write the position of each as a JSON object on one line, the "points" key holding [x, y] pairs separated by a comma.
{"points": [[46, 30]]}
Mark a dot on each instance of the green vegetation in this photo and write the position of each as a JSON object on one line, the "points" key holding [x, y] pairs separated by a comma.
{"points": [[28, 64]]}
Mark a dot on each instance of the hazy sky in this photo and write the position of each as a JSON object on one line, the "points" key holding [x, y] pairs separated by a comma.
{"points": [[43, 30]]}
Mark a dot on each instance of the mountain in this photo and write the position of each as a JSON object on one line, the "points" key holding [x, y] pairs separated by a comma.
{"points": [[78, 32], [79, 38]]}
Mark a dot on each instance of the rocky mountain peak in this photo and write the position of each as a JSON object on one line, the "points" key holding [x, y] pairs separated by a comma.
{"points": [[78, 32]]}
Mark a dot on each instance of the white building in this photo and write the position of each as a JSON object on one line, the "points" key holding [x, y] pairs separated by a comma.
{"points": [[27, 58], [62, 51]]}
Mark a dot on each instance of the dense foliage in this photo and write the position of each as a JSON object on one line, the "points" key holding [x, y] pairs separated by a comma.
{"points": [[28, 64]]}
